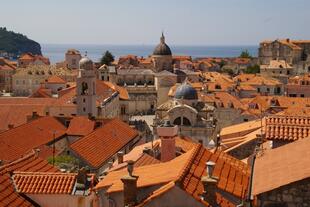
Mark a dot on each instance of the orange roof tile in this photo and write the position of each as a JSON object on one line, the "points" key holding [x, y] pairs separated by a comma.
{"points": [[149, 175], [20, 140], [233, 174], [42, 93], [146, 159], [123, 93], [187, 170], [242, 129], [281, 166], [104, 142], [80, 126], [44, 183], [28, 163], [288, 128]]}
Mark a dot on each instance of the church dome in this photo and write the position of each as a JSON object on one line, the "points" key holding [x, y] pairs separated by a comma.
{"points": [[162, 48], [186, 91], [86, 63]]}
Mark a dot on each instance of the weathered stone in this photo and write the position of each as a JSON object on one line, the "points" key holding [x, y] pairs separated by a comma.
{"points": [[287, 198]]}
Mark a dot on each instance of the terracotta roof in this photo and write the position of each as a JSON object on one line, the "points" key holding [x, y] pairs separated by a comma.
{"points": [[149, 175], [42, 92], [6, 64], [188, 170], [223, 99], [146, 159], [80, 126], [123, 93], [26, 56], [235, 142], [104, 142], [289, 128], [17, 114], [264, 103], [138, 156], [281, 166], [242, 129], [28, 163], [181, 57], [55, 80], [44, 183], [233, 175], [20, 140]]}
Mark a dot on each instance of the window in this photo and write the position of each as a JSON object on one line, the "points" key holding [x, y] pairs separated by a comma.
{"points": [[84, 109], [302, 95], [17, 82], [24, 82], [258, 90], [268, 90], [83, 100]]}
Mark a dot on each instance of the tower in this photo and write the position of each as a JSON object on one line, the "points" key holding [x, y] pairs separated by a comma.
{"points": [[86, 88], [162, 56]]}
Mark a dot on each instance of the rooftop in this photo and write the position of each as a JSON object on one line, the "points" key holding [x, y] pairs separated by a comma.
{"points": [[104, 142], [15, 142], [281, 166]]}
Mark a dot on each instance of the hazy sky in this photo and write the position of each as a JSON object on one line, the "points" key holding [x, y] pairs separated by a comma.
{"points": [[191, 22]]}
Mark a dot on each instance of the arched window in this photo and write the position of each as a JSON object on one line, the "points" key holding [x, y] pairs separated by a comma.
{"points": [[84, 88], [186, 122], [177, 121]]}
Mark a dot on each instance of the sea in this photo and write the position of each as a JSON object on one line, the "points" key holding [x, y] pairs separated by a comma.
{"points": [[56, 52]]}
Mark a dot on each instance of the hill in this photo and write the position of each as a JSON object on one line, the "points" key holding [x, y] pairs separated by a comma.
{"points": [[16, 43]]}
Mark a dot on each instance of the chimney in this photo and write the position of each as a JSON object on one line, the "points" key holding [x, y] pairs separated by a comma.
{"points": [[10, 126], [167, 133], [210, 185], [120, 157], [130, 186]]}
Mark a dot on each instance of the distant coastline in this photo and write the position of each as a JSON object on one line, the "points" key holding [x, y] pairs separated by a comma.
{"points": [[56, 52]]}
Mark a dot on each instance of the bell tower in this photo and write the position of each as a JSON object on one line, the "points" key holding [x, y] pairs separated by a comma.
{"points": [[86, 88]]}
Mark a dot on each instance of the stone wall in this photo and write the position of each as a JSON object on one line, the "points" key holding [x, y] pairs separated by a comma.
{"points": [[291, 195]]}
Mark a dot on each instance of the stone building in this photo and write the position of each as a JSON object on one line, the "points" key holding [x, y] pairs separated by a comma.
{"points": [[194, 117], [294, 52], [29, 59], [7, 69], [72, 58], [277, 69], [298, 86], [86, 88], [27, 80]]}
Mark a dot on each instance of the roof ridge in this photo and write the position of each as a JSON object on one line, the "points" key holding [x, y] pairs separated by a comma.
{"points": [[187, 165], [44, 173], [32, 153]]}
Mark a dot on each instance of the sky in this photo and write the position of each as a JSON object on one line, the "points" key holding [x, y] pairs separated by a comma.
{"points": [[138, 22]]}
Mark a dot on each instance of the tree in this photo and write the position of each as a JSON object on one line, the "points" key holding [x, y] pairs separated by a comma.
{"points": [[107, 58], [245, 54], [252, 69]]}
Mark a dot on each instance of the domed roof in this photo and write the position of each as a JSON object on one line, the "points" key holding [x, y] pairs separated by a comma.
{"points": [[186, 91], [162, 48], [86, 63]]}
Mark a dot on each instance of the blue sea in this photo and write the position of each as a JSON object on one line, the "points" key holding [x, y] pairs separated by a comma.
{"points": [[56, 52]]}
